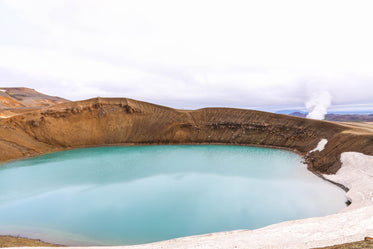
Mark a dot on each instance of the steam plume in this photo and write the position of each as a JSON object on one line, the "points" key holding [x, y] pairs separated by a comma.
{"points": [[318, 105]]}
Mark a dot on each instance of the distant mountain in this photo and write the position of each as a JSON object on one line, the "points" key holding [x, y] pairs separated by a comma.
{"points": [[360, 112], [16, 97], [16, 100], [340, 117], [298, 114], [290, 112], [349, 117], [339, 112]]}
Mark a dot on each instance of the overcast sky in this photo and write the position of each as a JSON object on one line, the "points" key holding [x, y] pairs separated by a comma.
{"points": [[189, 54]]}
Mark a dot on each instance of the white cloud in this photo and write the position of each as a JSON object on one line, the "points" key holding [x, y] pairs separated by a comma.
{"points": [[241, 53]]}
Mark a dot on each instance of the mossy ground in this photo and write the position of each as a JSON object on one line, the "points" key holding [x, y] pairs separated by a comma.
{"points": [[365, 244], [10, 241]]}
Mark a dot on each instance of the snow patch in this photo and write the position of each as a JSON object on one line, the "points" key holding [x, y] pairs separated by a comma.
{"points": [[2, 90], [320, 146], [356, 173]]}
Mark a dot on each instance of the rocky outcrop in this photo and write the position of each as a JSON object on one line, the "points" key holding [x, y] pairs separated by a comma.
{"points": [[115, 121]]}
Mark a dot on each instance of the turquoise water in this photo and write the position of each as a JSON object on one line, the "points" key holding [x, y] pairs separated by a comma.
{"points": [[132, 195]]}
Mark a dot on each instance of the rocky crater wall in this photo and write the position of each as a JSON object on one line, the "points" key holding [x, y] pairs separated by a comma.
{"points": [[116, 121]]}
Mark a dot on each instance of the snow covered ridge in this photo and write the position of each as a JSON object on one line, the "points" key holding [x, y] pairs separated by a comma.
{"points": [[351, 224], [320, 146]]}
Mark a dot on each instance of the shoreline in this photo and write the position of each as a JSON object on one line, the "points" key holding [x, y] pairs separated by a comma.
{"points": [[351, 224], [143, 144], [271, 230]]}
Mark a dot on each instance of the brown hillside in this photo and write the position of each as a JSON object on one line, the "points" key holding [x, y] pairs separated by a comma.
{"points": [[112, 121], [8, 102], [10, 241], [16, 100], [30, 98]]}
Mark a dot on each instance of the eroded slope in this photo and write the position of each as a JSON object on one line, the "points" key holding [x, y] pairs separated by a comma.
{"points": [[109, 121]]}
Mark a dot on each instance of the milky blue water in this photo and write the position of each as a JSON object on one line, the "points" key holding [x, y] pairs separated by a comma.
{"points": [[132, 195]]}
